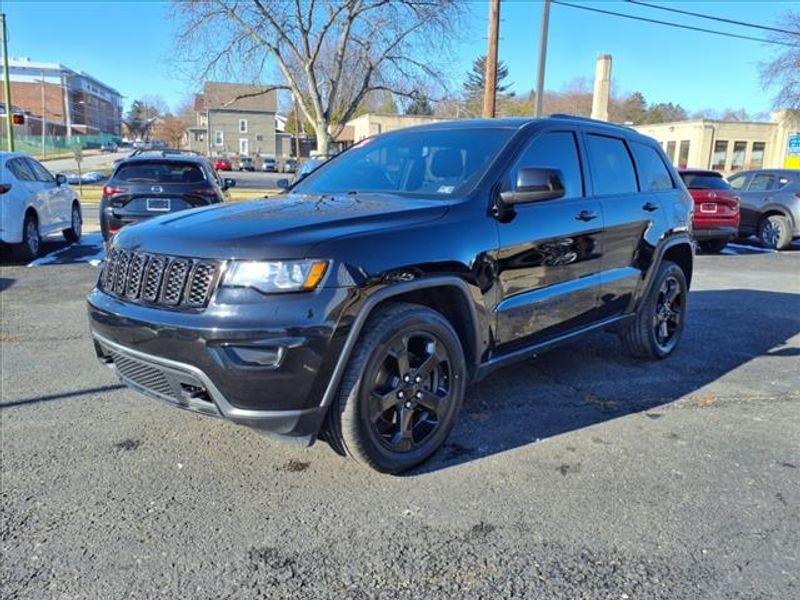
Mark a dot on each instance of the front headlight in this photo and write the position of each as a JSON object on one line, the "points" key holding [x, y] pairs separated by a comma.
{"points": [[276, 276]]}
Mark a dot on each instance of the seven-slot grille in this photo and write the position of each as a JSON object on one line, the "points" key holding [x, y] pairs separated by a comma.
{"points": [[157, 279]]}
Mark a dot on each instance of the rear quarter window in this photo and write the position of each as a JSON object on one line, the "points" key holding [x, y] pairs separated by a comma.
{"points": [[653, 173], [159, 172]]}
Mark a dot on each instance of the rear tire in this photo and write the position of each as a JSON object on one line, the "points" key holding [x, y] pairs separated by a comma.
{"points": [[73, 234], [658, 324], [774, 232], [713, 246], [401, 392], [31, 244]]}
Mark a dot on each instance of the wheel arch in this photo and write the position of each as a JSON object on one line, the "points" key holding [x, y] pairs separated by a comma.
{"points": [[774, 211], [450, 296], [681, 254]]}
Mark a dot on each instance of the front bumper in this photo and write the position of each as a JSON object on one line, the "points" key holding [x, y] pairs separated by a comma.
{"points": [[190, 359]]}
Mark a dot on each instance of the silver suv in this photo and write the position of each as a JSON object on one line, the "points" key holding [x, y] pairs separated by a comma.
{"points": [[770, 205]]}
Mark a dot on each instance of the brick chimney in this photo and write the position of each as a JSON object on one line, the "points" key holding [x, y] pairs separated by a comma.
{"points": [[602, 87]]}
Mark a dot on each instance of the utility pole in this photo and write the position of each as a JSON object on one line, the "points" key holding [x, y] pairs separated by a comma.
{"points": [[7, 86], [542, 58], [490, 79], [44, 118]]}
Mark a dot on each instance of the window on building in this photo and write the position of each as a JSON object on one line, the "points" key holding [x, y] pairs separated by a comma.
{"points": [[557, 151], [720, 156], [612, 168], [757, 155], [737, 161], [671, 152], [242, 125], [683, 154], [259, 138], [761, 182], [653, 174], [218, 138]]}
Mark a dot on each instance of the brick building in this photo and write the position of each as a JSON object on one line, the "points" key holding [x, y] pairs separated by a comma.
{"points": [[70, 101]]}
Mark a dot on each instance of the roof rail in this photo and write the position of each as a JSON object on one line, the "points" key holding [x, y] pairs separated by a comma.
{"points": [[580, 118]]}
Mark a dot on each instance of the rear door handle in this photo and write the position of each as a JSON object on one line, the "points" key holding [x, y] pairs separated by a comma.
{"points": [[586, 215], [650, 207]]}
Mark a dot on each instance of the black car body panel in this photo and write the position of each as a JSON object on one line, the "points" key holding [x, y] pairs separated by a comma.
{"points": [[514, 279]]}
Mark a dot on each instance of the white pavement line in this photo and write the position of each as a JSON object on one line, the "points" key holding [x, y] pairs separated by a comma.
{"points": [[753, 248]]}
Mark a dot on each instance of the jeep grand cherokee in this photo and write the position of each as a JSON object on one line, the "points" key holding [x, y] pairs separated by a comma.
{"points": [[359, 305]]}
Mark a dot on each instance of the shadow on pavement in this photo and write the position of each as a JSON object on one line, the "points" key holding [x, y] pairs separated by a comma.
{"points": [[60, 252], [62, 396], [5, 283], [593, 380]]}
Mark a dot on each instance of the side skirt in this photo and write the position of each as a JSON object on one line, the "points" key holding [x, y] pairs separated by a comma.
{"points": [[531, 351]]}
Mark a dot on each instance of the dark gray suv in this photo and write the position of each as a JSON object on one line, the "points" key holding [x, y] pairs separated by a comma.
{"points": [[770, 205], [358, 306]]}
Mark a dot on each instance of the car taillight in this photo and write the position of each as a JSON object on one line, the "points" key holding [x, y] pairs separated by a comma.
{"points": [[110, 190], [4, 187], [208, 192]]}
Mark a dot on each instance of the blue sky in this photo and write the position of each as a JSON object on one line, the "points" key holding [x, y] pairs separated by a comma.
{"points": [[129, 46]]}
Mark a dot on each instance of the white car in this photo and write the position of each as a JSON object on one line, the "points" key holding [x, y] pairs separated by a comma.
{"points": [[34, 204]]}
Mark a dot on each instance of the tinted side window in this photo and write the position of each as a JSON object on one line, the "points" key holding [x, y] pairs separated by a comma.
{"points": [[761, 182], [557, 150], [612, 169], [20, 170], [39, 171], [738, 182], [653, 174]]}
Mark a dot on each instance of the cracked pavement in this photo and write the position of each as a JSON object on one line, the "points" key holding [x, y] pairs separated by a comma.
{"points": [[581, 474]]}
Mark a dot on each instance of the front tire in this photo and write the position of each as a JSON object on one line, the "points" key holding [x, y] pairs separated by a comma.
{"points": [[774, 232], [31, 244], [659, 322], [73, 234], [401, 391]]}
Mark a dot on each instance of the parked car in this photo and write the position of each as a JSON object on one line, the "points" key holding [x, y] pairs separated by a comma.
{"points": [[93, 177], [269, 164], [108, 147], [35, 204], [144, 187], [290, 165], [357, 308], [716, 208], [770, 205], [223, 164], [246, 164]]}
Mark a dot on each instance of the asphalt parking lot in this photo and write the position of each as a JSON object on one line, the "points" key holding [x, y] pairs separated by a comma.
{"points": [[581, 474]]}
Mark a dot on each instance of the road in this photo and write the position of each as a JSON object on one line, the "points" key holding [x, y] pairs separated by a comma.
{"points": [[91, 162], [580, 474]]}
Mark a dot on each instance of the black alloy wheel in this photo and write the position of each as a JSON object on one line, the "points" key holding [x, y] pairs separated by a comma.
{"points": [[401, 391], [667, 320]]}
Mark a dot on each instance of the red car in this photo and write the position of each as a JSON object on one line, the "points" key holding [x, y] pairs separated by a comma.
{"points": [[223, 164], [716, 208]]}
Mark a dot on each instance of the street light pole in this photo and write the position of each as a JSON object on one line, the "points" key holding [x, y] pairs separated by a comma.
{"points": [[490, 77], [542, 58], [44, 118], [7, 86]]}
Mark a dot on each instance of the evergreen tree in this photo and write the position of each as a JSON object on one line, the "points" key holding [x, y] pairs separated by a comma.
{"points": [[476, 78], [420, 105]]}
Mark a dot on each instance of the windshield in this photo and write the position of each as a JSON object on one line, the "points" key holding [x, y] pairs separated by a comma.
{"points": [[695, 181], [443, 162]]}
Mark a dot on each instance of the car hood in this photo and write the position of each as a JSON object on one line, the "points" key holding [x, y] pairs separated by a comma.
{"points": [[284, 227]]}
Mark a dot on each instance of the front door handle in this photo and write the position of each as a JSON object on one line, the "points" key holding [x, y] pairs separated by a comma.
{"points": [[650, 207], [586, 215]]}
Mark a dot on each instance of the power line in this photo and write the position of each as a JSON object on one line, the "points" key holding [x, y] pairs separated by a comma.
{"points": [[676, 25], [713, 18]]}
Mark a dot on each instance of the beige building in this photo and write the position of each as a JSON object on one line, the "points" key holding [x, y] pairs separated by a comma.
{"points": [[730, 146], [227, 124], [370, 124]]}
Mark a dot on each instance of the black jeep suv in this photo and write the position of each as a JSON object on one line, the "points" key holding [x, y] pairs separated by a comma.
{"points": [[144, 186], [357, 307]]}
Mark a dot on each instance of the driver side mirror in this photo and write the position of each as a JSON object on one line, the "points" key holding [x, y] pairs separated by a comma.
{"points": [[282, 184], [228, 183], [534, 184], [61, 179]]}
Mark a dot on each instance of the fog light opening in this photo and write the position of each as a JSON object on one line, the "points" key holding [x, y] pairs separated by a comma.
{"points": [[257, 356]]}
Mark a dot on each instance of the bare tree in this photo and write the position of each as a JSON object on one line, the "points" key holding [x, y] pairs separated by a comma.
{"points": [[783, 71], [331, 54]]}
